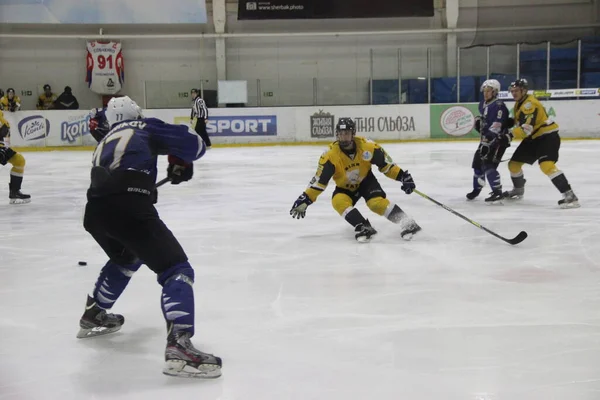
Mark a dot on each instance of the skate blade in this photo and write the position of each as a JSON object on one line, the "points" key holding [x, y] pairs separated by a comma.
{"points": [[85, 333], [364, 239], [574, 204], [181, 369], [409, 235], [495, 202], [19, 201]]}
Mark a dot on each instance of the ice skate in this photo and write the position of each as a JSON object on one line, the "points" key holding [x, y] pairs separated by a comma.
{"points": [[495, 197], [409, 229], [569, 201], [518, 189], [514, 194], [96, 321], [364, 232], [472, 195], [16, 197], [184, 360]]}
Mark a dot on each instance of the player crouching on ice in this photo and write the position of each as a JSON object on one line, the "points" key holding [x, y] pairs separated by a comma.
{"points": [[8, 155], [349, 161]]}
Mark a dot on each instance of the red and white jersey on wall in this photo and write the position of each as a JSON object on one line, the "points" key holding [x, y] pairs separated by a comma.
{"points": [[105, 69]]}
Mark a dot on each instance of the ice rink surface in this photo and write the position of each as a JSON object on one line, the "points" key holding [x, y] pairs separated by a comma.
{"points": [[299, 310]]}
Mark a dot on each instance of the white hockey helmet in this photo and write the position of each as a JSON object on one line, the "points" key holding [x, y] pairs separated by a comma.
{"points": [[491, 83], [122, 109]]}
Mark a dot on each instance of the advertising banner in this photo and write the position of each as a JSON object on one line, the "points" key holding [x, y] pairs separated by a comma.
{"points": [[453, 121], [321, 9], [576, 119], [408, 121]]}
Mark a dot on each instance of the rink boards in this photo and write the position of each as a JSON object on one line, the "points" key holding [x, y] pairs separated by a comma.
{"points": [[294, 125]]}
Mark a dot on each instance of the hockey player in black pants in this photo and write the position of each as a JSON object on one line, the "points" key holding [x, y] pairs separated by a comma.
{"points": [[121, 217], [493, 125], [200, 113]]}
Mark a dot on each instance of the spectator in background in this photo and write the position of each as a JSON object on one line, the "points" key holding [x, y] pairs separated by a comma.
{"points": [[47, 99], [11, 102], [66, 101]]}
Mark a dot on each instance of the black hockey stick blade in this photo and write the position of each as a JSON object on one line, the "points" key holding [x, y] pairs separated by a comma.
{"points": [[516, 240], [162, 182]]}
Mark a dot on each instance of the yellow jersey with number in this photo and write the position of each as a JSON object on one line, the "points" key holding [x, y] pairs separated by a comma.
{"points": [[349, 169], [531, 119]]}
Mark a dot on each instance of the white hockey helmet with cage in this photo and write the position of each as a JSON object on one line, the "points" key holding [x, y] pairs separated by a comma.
{"points": [[122, 109]]}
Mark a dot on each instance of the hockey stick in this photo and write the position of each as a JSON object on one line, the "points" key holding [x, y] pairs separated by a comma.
{"points": [[516, 240], [162, 182]]}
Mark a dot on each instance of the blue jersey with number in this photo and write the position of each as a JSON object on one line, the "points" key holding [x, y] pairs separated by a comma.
{"points": [[494, 118], [125, 159]]}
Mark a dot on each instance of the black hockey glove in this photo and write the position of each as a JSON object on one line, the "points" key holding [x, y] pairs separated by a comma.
{"points": [[6, 153], [408, 184], [478, 124], [510, 122], [488, 145], [179, 171], [300, 205], [4, 132]]}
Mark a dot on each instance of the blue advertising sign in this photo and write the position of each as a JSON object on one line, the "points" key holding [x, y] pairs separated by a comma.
{"points": [[243, 125]]}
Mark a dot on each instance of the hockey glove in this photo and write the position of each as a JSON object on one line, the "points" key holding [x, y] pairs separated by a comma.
{"points": [[4, 132], [408, 184], [179, 171], [478, 124], [300, 205], [6, 153]]}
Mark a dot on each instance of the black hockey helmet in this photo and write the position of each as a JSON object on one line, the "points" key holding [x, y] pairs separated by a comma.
{"points": [[345, 123], [9, 91], [519, 83]]}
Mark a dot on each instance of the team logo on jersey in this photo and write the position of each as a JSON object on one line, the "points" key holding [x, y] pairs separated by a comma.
{"points": [[110, 83], [457, 121], [353, 177], [34, 127], [367, 155], [322, 125]]}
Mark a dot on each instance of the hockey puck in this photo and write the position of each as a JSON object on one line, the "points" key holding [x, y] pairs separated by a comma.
{"points": [[82, 263]]}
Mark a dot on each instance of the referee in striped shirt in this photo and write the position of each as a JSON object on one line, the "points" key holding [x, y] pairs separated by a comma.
{"points": [[200, 112]]}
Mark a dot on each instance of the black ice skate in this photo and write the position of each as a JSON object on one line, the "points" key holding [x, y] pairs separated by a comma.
{"points": [[409, 229], [495, 197], [364, 232], [184, 360], [16, 197], [96, 321], [569, 201], [473, 194]]}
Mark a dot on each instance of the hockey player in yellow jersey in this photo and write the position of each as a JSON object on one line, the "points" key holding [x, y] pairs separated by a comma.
{"points": [[348, 161], [540, 143], [8, 155]]}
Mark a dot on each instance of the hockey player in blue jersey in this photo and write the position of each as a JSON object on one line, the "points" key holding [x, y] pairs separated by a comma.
{"points": [[121, 217], [493, 124]]}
